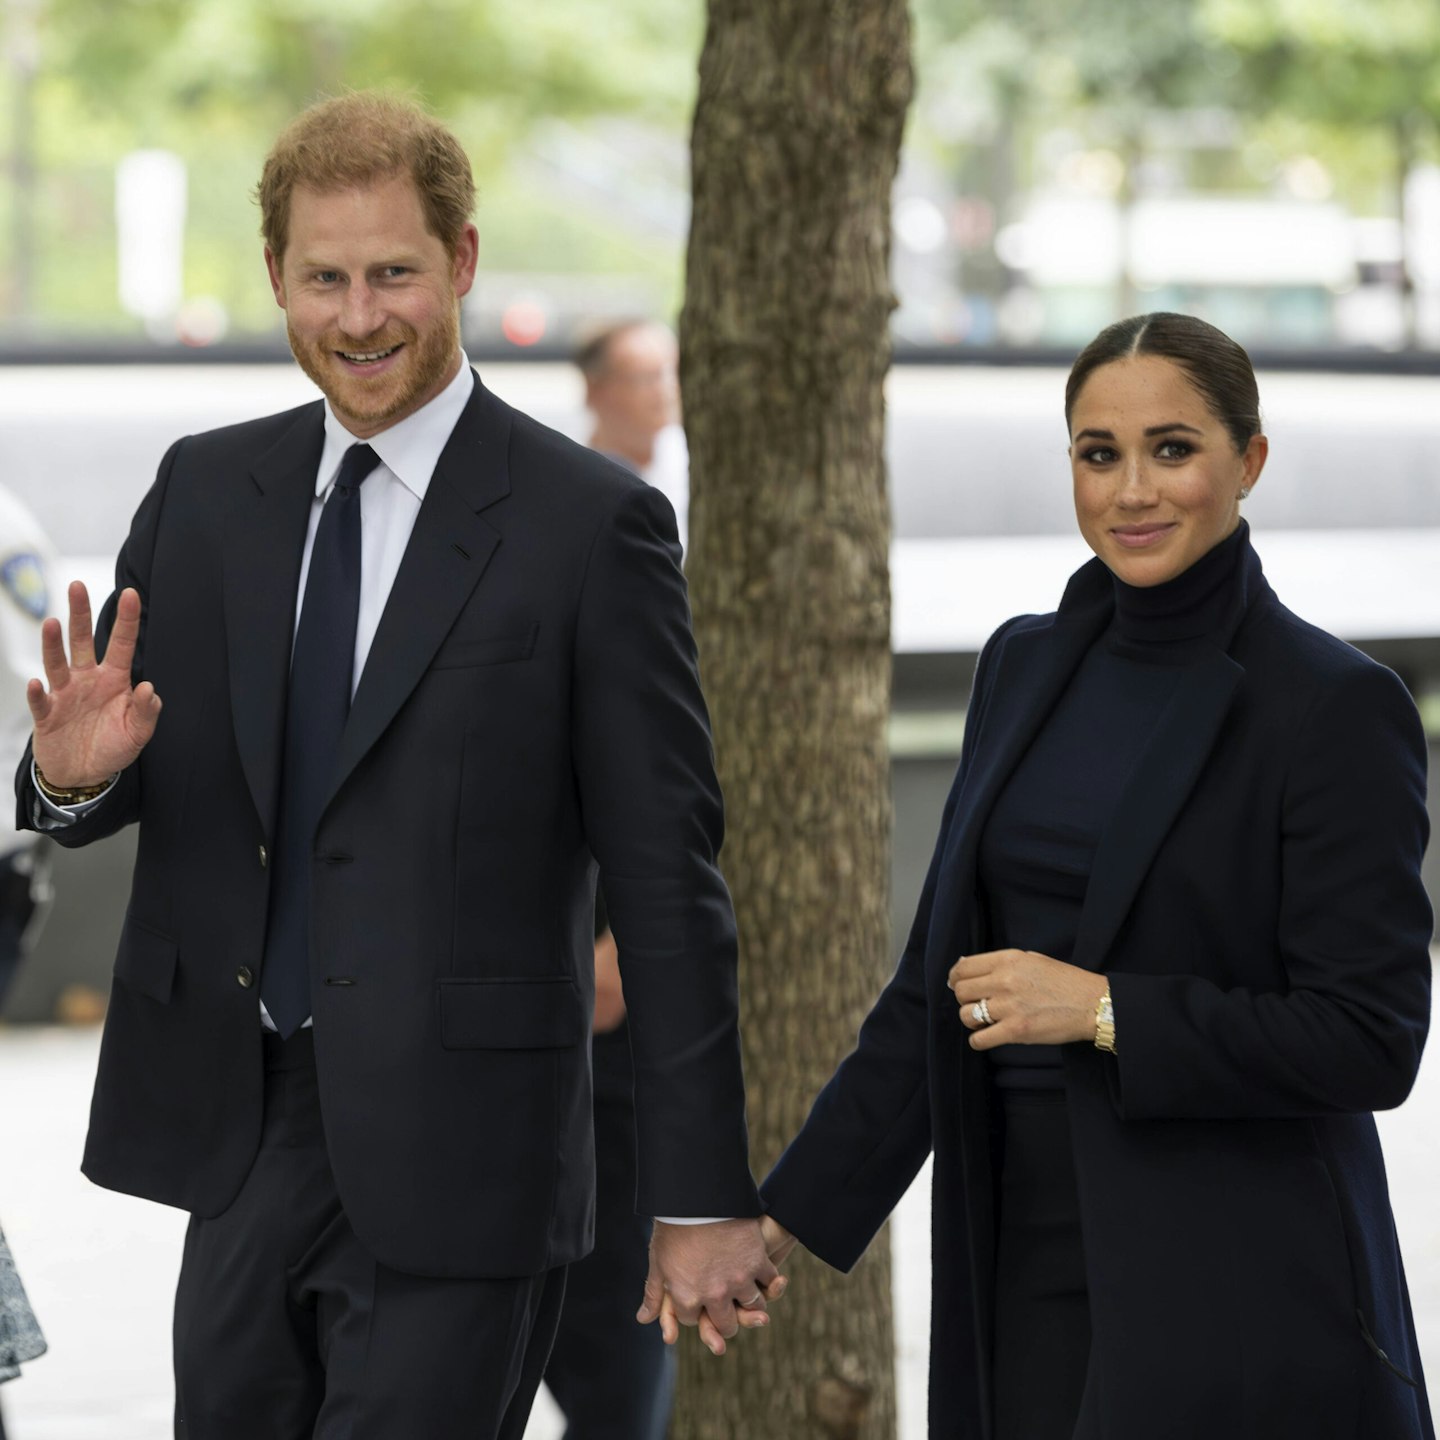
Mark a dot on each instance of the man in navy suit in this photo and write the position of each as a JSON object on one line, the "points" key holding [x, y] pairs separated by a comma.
{"points": [[425, 665]]}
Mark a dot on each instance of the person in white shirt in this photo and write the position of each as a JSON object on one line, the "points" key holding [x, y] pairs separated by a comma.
{"points": [[632, 388], [27, 568]]}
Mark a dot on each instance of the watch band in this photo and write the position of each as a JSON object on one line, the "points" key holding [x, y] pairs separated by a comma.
{"points": [[1105, 1023]]}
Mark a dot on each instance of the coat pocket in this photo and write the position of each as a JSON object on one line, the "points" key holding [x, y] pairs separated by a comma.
{"points": [[145, 961], [512, 1014], [458, 654], [1374, 1347]]}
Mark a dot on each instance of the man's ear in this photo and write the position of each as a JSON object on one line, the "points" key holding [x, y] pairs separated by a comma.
{"points": [[467, 255], [277, 284]]}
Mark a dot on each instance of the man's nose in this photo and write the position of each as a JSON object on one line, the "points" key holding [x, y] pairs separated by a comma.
{"points": [[361, 313]]}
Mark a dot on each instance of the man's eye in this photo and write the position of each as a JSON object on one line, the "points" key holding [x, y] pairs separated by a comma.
{"points": [[327, 277]]}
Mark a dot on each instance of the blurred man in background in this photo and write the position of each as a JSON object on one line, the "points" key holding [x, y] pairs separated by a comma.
{"points": [[632, 388], [616, 1381], [27, 563]]}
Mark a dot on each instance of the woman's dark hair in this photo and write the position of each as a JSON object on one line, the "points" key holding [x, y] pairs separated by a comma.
{"points": [[1218, 368]]}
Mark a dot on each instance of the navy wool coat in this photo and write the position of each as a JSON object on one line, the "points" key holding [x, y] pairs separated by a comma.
{"points": [[1256, 904]]}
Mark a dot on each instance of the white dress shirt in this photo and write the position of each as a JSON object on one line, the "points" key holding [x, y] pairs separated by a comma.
{"points": [[389, 499]]}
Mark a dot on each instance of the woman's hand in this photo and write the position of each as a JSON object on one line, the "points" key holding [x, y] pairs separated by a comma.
{"points": [[1031, 999]]}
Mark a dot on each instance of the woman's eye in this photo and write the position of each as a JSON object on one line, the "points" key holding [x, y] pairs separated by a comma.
{"points": [[1098, 455], [1175, 450]]}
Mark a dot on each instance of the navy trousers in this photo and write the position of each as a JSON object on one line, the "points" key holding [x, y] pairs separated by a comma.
{"points": [[286, 1327]]}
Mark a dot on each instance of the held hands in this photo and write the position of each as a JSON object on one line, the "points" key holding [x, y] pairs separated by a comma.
{"points": [[90, 724], [717, 1276], [1031, 999]]}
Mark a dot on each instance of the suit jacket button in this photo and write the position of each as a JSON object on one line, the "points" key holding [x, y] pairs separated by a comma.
{"points": [[264, 858], [246, 976]]}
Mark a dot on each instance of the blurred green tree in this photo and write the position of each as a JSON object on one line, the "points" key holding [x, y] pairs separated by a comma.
{"points": [[1112, 65], [213, 80], [1343, 64]]}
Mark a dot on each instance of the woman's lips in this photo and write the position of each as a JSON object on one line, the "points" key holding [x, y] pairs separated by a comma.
{"points": [[1137, 537]]}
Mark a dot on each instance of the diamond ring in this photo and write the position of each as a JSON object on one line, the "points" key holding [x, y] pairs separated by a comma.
{"points": [[980, 1011]]}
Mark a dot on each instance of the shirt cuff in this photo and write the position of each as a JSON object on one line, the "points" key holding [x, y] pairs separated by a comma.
{"points": [[693, 1219], [47, 815]]}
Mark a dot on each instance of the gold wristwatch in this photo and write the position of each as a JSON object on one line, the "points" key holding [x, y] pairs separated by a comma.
{"points": [[1105, 1023]]}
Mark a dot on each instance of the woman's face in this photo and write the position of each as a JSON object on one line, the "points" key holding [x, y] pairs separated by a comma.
{"points": [[1157, 476]]}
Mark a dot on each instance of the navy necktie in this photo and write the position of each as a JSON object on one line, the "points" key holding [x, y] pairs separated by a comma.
{"points": [[321, 672]]}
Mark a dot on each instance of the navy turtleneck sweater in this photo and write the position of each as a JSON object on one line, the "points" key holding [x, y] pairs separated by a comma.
{"points": [[1040, 839]]}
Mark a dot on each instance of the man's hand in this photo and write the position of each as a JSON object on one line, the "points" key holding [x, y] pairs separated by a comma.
{"points": [[90, 724], [716, 1276]]}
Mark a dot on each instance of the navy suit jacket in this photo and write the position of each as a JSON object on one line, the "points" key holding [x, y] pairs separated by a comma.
{"points": [[1256, 904], [530, 707]]}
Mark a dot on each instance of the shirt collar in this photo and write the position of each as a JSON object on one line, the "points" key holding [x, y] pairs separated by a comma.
{"points": [[410, 449]]}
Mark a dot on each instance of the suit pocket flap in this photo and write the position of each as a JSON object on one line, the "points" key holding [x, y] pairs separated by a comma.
{"points": [[145, 961], [485, 650], [505, 1014]]}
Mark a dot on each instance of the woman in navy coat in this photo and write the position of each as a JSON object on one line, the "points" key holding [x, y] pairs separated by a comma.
{"points": [[1171, 953]]}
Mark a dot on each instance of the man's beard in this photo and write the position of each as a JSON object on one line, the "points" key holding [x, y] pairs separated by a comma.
{"points": [[425, 362]]}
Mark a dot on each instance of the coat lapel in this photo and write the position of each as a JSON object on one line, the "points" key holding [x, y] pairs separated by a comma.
{"points": [[1158, 786], [448, 551], [1167, 772], [263, 545], [1032, 670]]}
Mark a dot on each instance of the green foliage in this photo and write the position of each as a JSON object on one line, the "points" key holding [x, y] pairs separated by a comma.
{"points": [[214, 80], [1336, 61]]}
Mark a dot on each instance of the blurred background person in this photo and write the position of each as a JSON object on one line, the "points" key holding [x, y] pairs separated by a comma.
{"points": [[26, 566], [632, 387], [614, 1379], [20, 1337]]}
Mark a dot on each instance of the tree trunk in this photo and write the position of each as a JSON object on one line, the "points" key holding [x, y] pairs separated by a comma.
{"points": [[784, 351]]}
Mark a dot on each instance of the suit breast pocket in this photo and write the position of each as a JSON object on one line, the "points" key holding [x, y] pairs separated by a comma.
{"points": [[461, 652]]}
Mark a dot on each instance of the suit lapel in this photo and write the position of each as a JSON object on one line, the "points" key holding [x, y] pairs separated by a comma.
{"points": [[448, 551], [1158, 786], [263, 545]]}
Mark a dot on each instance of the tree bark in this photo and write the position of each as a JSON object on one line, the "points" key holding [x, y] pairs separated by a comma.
{"points": [[784, 346]]}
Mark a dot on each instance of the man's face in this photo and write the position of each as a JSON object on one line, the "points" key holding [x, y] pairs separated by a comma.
{"points": [[372, 300], [638, 391]]}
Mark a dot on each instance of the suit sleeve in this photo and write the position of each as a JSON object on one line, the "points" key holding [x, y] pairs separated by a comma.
{"points": [[655, 822], [869, 1131], [1353, 934], [121, 805]]}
